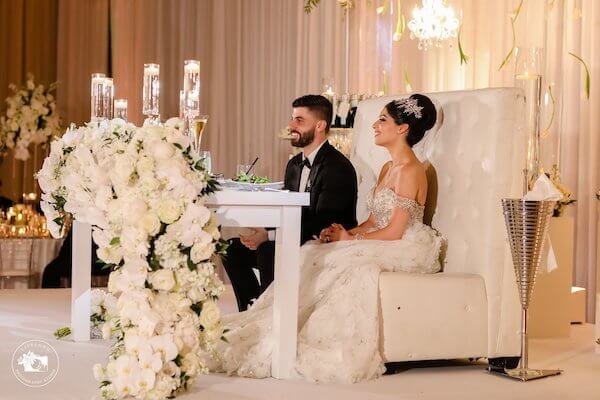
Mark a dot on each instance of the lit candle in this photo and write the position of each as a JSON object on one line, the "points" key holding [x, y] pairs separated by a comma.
{"points": [[191, 88], [97, 96], [192, 67], [151, 91], [109, 94], [121, 109], [151, 69]]}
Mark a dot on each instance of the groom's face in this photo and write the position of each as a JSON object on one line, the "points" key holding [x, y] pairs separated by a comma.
{"points": [[302, 127]]}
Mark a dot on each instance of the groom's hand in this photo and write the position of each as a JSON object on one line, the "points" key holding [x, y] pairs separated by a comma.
{"points": [[255, 239]]}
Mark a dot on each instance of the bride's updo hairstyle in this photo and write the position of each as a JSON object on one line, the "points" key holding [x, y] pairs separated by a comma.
{"points": [[417, 111]]}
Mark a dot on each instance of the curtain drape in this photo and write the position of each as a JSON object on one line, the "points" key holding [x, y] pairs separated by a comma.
{"points": [[257, 56], [28, 41]]}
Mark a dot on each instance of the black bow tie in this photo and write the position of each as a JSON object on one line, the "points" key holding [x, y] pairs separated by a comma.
{"points": [[306, 163]]}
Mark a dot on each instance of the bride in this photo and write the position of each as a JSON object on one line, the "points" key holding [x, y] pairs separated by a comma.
{"points": [[338, 316]]}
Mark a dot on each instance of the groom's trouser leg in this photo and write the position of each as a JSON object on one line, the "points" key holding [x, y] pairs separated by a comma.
{"points": [[265, 261], [239, 263]]}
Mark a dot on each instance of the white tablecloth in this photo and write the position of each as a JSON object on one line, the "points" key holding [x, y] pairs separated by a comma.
{"points": [[36, 314], [43, 251]]}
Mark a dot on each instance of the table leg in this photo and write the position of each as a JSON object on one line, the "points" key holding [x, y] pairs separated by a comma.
{"points": [[285, 302], [81, 277]]}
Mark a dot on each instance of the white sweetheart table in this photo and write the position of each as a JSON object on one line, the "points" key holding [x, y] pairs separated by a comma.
{"points": [[281, 210]]}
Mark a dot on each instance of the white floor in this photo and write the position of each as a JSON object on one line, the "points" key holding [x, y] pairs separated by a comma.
{"points": [[34, 314]]}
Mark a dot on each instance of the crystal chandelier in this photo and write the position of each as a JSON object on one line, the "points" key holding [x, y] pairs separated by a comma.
{"points": [[432, 23]]}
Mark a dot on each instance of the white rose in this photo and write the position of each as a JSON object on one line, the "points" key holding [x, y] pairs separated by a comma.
{"points": [[201, 252], [168, 211], [162, 279], [150, 223], [99, 373], [210, 315], [162, 150]]}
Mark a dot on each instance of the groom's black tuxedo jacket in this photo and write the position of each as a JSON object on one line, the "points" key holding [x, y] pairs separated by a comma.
{"points": [[333, 191]]}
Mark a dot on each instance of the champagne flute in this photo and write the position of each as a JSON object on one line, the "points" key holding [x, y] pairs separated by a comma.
{"points": [[198, 128]]}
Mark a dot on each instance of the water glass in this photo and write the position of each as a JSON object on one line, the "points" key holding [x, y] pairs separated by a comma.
{"points": [[206, 160]]}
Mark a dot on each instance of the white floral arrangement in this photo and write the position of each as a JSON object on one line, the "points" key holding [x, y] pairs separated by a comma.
{"points": [[143, 191], [30, 117]]}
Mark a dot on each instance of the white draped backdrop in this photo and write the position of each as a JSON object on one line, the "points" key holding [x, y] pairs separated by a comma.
{"points": [[258, 55]]}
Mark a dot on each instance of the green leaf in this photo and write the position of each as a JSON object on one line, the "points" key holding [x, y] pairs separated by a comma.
{"points": [[221, 247], [407, 85], [154, 262], [197, 308], [62, 332], [178, 360], [512, 49], [310, 4], [553, 102], [224, 339], [513, 19], [588, 78], [464, 59], [115, 241]]}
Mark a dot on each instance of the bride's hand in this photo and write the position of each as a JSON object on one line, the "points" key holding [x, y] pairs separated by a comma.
{"points": [[340, 233], [328, 233]]}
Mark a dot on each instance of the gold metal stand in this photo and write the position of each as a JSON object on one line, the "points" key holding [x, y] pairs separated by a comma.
{"points": [[527, 225]]}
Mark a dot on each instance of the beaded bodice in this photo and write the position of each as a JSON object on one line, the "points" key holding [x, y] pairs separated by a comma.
{"points": [[382, 202]]}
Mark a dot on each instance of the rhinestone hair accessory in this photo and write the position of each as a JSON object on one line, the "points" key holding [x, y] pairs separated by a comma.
{"points": [[409, 106]]}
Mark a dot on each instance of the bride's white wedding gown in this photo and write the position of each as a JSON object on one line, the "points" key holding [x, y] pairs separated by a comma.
{"points": [[338, 318]]}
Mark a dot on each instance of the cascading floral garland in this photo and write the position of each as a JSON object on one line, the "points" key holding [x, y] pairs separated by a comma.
{"points": [[143, 191]]}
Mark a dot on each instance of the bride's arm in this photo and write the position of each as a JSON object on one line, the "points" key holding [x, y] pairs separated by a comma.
{"points": [[364, 227]]}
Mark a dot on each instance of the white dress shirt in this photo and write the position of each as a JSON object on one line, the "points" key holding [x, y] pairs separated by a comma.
{"points": [[305, 169]]}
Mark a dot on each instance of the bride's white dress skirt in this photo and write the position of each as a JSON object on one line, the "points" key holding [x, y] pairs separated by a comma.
{"points": [[338, 316]]}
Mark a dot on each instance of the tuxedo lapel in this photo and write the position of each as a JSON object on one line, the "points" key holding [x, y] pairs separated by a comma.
{"points": [[317, 164]]}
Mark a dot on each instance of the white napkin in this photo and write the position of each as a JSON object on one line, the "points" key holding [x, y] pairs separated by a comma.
{"points": [[544, 189]]}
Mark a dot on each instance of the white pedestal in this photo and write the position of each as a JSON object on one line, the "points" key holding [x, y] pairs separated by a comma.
{"points": [[81, 281]]}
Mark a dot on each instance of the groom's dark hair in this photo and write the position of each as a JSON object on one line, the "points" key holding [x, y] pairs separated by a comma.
{"points": [[318, 105]]}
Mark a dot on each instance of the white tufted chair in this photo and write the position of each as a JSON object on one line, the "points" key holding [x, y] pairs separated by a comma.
{"points": [[475, 154]]}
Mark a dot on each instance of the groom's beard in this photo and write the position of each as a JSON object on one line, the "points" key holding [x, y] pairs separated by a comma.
{"points": [[304, 138]]}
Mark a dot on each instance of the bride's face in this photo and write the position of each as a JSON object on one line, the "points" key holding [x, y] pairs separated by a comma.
{"points": [[386, 130]]}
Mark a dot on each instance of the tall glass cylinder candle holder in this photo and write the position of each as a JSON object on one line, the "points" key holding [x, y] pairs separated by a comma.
{"points": [[151, 91], [109, 96], [528, 76], [181, 104], [97, 97], [121, 109], [191, 87]]}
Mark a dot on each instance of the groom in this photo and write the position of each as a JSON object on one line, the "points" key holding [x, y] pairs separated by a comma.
{"points": [[319, 169]]}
